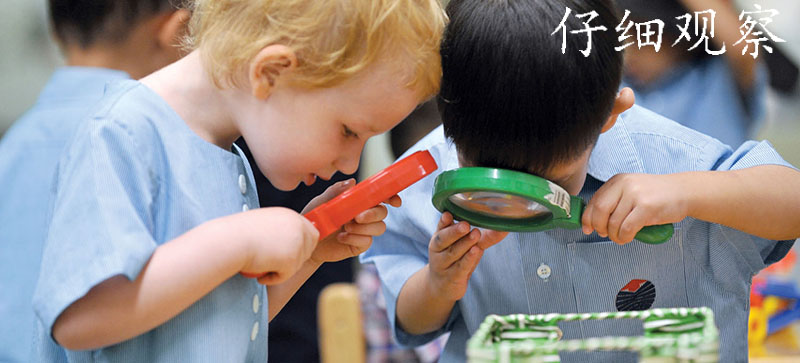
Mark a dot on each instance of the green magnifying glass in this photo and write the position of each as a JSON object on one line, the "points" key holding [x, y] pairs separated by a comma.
{"points": [[507, 200]]}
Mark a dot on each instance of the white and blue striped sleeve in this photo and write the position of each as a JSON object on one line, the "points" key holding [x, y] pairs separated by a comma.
{"points": [[758, 252]]}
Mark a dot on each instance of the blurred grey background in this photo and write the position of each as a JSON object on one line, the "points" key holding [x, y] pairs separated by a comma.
{"points": [[28, 56]]}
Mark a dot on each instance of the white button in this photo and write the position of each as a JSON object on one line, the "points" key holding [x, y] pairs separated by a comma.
{"points": [[245, 207], [242, 184], [254, 333], [543, 271], [255, 303]]}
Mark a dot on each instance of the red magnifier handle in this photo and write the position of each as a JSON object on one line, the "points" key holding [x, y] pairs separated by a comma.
{"points": [[333, 214]]}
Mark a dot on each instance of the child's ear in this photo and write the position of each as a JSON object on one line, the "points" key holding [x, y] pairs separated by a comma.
{"points": [[173, 29], [267, 66], [622, 103]]}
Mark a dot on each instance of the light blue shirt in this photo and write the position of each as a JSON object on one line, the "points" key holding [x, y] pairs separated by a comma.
{"points": [[704, 96], [565, 271], [29, 152], [135, 177]]}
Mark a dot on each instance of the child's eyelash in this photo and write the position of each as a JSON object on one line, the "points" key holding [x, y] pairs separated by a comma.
{"points": [[347, 132]]}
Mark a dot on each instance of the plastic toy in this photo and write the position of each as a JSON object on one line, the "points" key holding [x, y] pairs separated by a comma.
{"points": [[774, 301], [688, 334], [333, 214], [508, 200]]}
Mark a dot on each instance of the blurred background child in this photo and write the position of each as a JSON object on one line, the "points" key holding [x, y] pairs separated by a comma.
{"points": [[713, 88], [102, 40]]}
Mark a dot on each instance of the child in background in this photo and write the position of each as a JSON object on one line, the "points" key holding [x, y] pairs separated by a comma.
{"points": [[719, 95], [146, 241], [102, 41], [510, 99]]}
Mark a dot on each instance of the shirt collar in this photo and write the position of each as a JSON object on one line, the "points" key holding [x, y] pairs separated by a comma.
{"points": [[79, 82], [615, 152]]}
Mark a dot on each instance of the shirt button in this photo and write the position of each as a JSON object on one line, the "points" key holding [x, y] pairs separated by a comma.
{"points": [[242, 184], [543, 271], [245, 207], [254, 333], [255, 303]]}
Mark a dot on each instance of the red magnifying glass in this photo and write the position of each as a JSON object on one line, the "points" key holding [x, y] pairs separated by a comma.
{"points": [[333, 214]]}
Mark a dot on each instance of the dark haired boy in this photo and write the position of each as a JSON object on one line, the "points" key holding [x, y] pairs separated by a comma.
{"points": [[102, 40], [510, 99]]}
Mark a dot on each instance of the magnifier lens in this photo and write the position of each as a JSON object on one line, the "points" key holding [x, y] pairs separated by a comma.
{"points": [[493, 204]]}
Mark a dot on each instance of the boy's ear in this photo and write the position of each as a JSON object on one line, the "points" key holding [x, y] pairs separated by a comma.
{"points": [[267, 66], [173, 29], [622, 103]]}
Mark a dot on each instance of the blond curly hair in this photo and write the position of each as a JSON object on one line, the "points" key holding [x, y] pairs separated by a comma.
{"points": [[334, 40]]}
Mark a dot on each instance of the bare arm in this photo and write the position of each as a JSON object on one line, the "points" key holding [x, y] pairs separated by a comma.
{"points": [[763, 200], [426, 299], [421, 309], [726, 32], [277, 241], [181, 272]]}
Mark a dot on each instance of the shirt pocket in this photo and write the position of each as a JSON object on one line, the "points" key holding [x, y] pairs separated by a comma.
{"points": [[634, 276]]}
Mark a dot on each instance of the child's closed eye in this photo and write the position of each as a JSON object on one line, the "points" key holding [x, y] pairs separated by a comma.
{"points": [[347, 132]]}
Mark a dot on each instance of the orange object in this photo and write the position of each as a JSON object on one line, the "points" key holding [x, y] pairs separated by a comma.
{"points": [[330, 216], [333, 214], [784, 266]]}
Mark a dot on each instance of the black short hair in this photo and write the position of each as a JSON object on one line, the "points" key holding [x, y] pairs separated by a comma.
{"points": [[510, 98], [85, 22]]}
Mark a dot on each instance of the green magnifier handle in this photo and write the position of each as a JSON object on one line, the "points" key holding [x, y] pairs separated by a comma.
{"points": [[655, 234]]}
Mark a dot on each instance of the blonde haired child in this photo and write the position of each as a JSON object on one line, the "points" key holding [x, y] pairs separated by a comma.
{"points": [[145, 243]]}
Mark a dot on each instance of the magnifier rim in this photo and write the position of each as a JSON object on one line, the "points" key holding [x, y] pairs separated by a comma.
{"points": [[474, 179]]}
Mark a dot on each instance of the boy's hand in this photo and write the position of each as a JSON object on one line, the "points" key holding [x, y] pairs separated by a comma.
{"points": [[454, 253], [279, 242], [628, 202], [355, 236]]}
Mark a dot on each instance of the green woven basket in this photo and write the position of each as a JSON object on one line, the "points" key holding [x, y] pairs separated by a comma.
{"points": [[670, 335]]}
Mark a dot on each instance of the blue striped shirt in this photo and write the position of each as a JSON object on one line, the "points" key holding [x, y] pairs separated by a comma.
{"points": [[29, 153], [565, 271]]}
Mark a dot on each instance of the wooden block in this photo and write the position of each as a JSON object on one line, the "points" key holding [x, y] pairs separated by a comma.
{"points": [[341, 333]]}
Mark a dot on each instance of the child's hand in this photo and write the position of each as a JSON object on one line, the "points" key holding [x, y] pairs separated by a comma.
{"points": [[628, 202], [280, 241], [355, 236], [454, 253]]}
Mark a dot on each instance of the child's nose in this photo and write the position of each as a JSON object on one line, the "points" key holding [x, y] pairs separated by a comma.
{"points": [[347, 164]]}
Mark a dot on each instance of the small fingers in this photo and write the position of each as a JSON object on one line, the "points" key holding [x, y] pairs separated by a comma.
{"points": [[329, 193], [586, 219], [465, 266], [444, 221], [394, 201], [456, 251], [366, 229], [374, 214], [633, 223], [490, 238], [616, 219], [600, 209], [448, 235], [358, 243]]}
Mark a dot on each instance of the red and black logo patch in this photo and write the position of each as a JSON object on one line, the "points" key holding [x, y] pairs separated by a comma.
{"points": [[636, 295]]}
